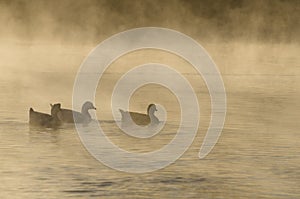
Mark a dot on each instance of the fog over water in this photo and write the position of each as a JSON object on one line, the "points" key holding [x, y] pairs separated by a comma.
{"points": [[55, 37], [81, 22], [255, 45]]}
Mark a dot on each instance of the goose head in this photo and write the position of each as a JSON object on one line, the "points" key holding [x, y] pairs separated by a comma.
{"points": [[55, 109], [87, 106], [151, 109]]}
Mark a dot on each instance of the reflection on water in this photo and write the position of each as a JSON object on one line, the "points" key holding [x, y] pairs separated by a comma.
{"points": [[257, 155]]}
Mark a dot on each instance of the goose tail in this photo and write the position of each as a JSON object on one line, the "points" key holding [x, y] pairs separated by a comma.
{"points": [[121, 111], [124, 115], [31, 113]]}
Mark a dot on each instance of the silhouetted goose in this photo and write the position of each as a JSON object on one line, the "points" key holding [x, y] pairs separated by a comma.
{"points": [[43, 119], [70, 116], [140, 118]]}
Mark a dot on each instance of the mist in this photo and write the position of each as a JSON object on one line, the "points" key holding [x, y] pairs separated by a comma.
{"points": [[44, 42], [255, 45], [91, 21]]}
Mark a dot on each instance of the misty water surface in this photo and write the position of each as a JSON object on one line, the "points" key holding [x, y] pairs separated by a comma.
{"points": [[257, 155]]}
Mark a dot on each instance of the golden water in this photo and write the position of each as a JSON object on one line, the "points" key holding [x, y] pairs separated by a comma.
{"points": [[257, 155]]}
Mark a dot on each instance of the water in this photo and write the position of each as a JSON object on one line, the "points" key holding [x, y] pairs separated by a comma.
{"points": [[257, 155]]}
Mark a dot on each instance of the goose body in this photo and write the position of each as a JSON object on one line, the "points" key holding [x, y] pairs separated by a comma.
{"points": [[140, 119], [44, 119], [70, 116]]}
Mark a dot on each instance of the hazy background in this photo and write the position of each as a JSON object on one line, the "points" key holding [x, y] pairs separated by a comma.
{"points": [[255, 45], [44, 42], [87, 22]]}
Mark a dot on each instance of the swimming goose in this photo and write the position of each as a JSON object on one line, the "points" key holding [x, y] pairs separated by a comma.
{"points": [[140, 118], [43, 119], [70, 116]]}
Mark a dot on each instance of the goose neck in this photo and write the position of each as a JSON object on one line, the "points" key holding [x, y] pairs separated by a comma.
{"points": [[151, 114], [85, 112]]}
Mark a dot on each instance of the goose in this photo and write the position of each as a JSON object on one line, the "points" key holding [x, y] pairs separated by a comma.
{"points": [[70, 116], [44, 119], [140, 118]]}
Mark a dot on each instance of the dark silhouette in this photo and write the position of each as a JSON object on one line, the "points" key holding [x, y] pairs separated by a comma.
{"points": [[70, 116], [45, 120], [140, 118]]}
